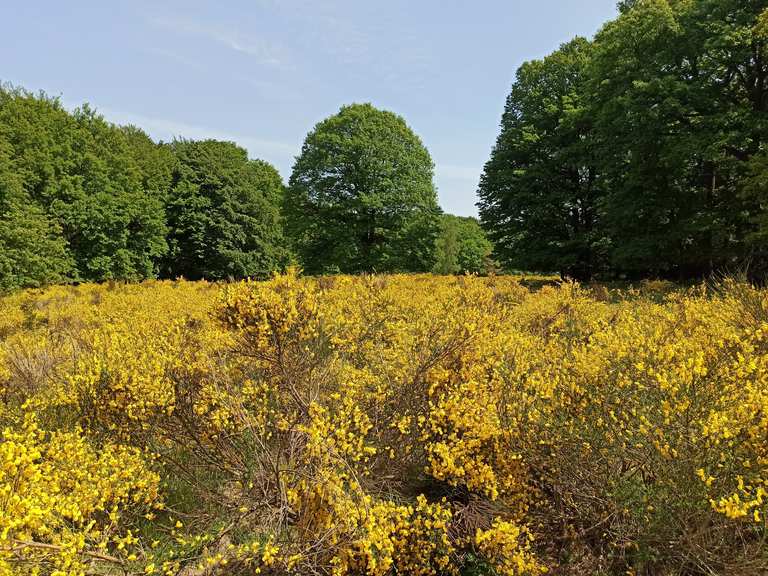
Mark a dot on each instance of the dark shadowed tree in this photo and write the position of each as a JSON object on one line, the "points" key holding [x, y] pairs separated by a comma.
{"points": [[541, 189], [678, 91], [642, 154], [223, 213]]}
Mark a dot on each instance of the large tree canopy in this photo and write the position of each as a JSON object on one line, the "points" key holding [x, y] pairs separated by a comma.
{"points": [[361, 196], [540, 189], [77, 172], [641, 153], [669, 119], [84, 200], [224, 213]]}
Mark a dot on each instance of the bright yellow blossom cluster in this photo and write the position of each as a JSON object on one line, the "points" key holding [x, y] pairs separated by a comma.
{"points": [[374, 425], [63, 500]]}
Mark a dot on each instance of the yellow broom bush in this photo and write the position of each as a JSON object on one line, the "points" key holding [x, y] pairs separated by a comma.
{"points": [[375, 425]]}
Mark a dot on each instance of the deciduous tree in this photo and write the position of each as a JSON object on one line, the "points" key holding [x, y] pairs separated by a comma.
{"points": [[462, 247], [541, 188], [361, 196], [223, 213]]}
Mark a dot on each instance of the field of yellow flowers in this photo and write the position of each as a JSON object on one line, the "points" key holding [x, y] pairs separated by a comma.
{"points": [[383, 425]]}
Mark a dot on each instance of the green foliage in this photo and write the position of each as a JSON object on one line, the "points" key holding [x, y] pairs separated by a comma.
{"points": [[361, 196], [625, 5], [32, 251], [661, 116], [663, 122], [636, 98], [461, 247], [540, 190], [84, 200], [79, 169], [155, 163], [224, 213]]}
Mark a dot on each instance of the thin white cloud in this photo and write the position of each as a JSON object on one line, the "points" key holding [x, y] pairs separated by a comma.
{"points": [[325, 25], [265, 52], [280, 154]]}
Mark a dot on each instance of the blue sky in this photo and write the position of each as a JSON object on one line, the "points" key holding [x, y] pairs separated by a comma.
{"points": [[264, 72]]}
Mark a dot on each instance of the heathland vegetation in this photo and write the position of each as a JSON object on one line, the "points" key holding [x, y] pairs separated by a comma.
{"points": [[376, 425], [178, 399]]}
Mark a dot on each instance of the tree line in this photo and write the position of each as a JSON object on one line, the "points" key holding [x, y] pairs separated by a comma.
{"points": [[640, 153], [82, 199]]}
